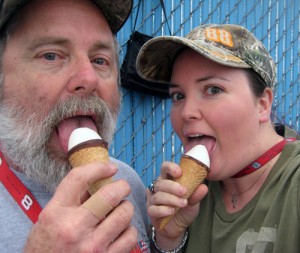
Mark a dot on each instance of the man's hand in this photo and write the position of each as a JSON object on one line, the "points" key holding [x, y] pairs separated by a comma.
{"points": [[65, 225]]}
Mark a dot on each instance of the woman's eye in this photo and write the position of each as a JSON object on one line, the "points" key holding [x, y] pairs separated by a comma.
{"points": [[213, 90], [176, 96]]}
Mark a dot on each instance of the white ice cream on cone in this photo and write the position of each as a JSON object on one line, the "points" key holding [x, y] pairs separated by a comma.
{"points": [[80, 135], [86, 146], [200, 153], [195, 167]]}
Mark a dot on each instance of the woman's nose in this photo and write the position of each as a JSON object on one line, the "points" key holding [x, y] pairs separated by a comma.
{"points": [[191, 110]]}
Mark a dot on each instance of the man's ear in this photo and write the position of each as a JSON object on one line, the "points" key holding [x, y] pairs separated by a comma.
{"points": [[265, 104]]}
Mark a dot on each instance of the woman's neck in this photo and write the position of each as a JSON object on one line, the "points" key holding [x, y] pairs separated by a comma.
{"points": [[238, 192]]}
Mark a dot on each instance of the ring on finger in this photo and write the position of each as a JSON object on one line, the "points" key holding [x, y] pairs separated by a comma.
{"points": [[152, 186]]}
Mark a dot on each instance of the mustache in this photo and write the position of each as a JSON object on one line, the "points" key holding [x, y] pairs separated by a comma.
{"points": [[103, 116]]}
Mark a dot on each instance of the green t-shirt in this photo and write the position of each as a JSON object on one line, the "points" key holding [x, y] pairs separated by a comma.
{"points": [[268, 223]]}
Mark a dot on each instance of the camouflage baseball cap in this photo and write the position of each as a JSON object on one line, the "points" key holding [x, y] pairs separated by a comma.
{"points": [[226, 44], [115, 11]]}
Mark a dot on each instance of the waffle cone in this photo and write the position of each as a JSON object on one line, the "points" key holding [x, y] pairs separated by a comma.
{"points": [[193, 174], [86, 154]]}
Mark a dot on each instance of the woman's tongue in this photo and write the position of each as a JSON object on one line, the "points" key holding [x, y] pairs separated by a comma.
{"points": [[66, 127]]}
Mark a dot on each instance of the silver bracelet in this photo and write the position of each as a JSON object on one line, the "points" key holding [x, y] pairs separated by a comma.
{"points": [[178, 249]]}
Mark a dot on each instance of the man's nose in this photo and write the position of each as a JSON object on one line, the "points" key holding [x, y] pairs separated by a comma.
{"points": [[83, 79]]}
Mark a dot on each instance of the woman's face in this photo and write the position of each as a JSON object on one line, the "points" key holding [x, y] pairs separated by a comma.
{"points": [[213, 105]]}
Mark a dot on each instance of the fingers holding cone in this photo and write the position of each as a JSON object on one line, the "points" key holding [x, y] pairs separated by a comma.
{"points": [[195, 168], [86, 146]]}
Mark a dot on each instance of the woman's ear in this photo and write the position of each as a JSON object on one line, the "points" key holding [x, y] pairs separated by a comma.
{"points": [[265, 104]]}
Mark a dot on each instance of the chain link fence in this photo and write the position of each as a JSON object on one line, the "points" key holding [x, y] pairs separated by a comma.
{"points": [[144, 137]]}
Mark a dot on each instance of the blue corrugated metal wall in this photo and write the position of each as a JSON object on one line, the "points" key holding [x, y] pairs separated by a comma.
{"points": [[144, 136]]}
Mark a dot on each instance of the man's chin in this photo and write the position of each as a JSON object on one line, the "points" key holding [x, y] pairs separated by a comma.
{"points": [[48, 171]]}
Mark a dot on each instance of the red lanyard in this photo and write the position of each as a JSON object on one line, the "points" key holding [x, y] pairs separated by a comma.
{"points": [[19, 192], [266, 157], [26, 200]]}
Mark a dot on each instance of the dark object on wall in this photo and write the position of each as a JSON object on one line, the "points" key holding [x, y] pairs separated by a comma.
{"points": [[130, 79]]}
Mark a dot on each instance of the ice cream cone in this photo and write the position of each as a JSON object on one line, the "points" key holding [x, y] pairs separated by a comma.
{"points": [[194, 171], [86, 147]]}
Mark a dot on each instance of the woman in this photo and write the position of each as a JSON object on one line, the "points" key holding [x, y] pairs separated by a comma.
{"points": [[221, 79]]}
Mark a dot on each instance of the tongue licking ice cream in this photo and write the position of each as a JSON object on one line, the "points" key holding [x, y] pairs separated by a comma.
{"points": [[86, 146], [195, 167]]}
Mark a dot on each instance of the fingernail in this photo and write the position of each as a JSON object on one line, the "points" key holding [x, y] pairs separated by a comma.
{"points": [[184, 202], [114, 167], [183, 190]]}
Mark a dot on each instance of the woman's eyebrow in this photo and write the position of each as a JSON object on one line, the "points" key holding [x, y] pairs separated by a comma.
{"points": [[199, 80]]}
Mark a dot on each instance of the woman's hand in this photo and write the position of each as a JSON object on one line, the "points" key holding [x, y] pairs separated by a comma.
{"points": [[167, 196]]}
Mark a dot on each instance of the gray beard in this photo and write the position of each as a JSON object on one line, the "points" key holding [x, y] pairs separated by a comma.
{"points": [[24, 136]]}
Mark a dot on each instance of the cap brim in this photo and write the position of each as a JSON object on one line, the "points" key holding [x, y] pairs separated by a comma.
{"points": [[116, 12], [156, 57]]}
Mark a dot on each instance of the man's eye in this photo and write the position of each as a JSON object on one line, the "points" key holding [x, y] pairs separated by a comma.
{"points": [[100, 61], [50, 56]]}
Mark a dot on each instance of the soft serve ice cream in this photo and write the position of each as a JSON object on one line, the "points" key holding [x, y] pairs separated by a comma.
{"points": [[86, 146], [195, 167]]}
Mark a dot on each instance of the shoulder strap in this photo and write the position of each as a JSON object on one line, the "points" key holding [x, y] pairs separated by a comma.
{"points": [[165, 14], [19, 192], [137, 14], [164, 11]]}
